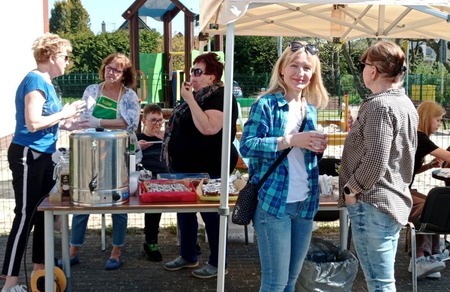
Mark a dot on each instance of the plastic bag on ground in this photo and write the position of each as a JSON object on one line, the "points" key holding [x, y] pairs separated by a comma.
{"points": [[327, 267]]}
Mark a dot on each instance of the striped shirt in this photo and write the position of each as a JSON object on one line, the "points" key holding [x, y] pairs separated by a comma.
{"points": [[266, 123], [378, 155]]}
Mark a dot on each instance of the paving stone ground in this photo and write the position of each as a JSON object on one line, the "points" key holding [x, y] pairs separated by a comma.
{"points": [[138, 274]]}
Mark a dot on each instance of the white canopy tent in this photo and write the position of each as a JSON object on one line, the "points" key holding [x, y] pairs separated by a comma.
{"points": [[343, 21], [347, 20]]}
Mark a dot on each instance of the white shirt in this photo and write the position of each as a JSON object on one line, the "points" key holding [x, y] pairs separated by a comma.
{"points": [[298, 177]]}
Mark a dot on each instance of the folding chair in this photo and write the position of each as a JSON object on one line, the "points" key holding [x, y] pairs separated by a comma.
{"points": [[328, 166], [435, 219]]}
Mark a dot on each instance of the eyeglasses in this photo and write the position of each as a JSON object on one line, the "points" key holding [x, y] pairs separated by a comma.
{"points": [[65, 57], [197, 72], [312, 49], [114, 70], [362, 65], [155, 121]]}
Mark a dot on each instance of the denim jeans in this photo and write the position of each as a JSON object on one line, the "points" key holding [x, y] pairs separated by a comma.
{"points": [[375, 236], [283, 244], [79, 224]]}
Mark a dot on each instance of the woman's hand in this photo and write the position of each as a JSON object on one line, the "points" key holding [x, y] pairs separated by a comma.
{"points": [[435, 163], [144, 144], [349, 200], [186, 92], [313, 141], [73, 110], [349, 119]]}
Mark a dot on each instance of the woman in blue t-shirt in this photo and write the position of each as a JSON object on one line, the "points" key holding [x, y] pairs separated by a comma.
{"points": [[39, 113]]}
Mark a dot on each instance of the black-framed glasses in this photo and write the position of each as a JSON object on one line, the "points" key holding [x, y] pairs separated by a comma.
{"points": [[66, 58], [197, 72], [362, 65], [155, 121], [114, 70], [312, 49]]}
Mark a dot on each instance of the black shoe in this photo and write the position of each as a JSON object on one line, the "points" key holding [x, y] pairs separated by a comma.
{"points": [[152, 253]]}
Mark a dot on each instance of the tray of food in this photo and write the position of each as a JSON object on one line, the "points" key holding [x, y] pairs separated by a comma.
{"points": [[209, 190], [167, 191]]}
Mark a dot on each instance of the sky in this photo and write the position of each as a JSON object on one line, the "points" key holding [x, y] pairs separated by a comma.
{"points": [[110, 11]]}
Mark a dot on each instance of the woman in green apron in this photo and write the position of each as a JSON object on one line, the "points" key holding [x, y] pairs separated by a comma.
{"points": [[112, 104]]}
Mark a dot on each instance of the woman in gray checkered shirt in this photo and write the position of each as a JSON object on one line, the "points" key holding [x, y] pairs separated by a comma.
{"points": [[377, 164]]}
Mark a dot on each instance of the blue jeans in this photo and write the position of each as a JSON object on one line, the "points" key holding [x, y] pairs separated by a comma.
{"points": [[188, 225], [375, 236], [79, 224], [283, 244]]}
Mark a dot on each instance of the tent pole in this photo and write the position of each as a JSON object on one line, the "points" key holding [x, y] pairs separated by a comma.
{"points": [[226, 144]]}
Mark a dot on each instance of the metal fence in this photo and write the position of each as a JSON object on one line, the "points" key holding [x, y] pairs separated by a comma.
{"points": [[420, 87]]}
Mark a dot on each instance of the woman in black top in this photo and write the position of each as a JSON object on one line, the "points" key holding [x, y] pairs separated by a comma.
{"points": [[193, 143], [429, 257]]}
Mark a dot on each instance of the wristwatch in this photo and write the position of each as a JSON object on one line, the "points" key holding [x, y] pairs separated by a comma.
{"points": [[348, 192], [284, 141]]}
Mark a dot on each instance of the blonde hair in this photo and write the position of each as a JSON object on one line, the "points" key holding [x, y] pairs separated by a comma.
{"points": [[48, 45], [427, 111], [315, 92]]}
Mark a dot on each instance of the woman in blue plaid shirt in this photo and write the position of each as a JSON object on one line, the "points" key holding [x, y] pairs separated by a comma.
{"points": [[289, 198]]}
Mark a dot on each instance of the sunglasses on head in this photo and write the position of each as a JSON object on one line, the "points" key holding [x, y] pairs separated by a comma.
{"points": [[197, 72], [312, 49]]}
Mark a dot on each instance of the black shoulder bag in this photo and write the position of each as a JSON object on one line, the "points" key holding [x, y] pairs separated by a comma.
{"points": [[248, 197]]}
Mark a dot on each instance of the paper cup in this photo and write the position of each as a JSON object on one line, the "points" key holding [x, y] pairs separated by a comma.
{"points": [[318, 145], [354, 113]]}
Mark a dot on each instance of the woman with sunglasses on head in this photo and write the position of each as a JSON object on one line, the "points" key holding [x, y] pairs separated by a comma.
{"points": [[39, 113], [112, 104], [150, 142], [289, 198], [378, 164], [193, 144]]}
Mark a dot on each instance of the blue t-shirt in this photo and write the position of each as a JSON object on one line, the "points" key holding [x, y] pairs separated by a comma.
{"points": [[41, 140]]}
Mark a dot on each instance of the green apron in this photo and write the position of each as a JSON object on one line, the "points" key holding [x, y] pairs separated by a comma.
{"points": [[106, 108]]}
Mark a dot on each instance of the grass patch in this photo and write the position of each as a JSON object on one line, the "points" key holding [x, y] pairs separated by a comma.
{"points": [[325, 230], [172, 229]]}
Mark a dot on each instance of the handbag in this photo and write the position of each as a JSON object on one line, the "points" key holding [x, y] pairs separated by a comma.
{"points": [[247, 199]]}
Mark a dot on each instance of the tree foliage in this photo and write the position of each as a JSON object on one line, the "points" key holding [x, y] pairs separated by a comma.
{"points": [[255, 54], [69, 17]]}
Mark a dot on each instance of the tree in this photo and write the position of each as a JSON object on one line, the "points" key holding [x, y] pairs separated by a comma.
{"points": [[178, 51], [69, 17], [89, 50], [254, 54]]}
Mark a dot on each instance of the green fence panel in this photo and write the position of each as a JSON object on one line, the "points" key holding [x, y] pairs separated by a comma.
{"points": [[419, 87]]}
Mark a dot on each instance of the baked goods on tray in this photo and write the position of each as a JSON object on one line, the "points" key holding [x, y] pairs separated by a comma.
{"points": [[167, 191], [209, 190]]}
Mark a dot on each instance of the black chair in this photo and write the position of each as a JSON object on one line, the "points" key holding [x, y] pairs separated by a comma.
{"points": [[435, 219], [328, 166]]}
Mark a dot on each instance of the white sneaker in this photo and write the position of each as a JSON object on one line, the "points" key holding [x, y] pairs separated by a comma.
{"points": [[426, 266], [436, 275], [443, 256], [17, 288]]}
